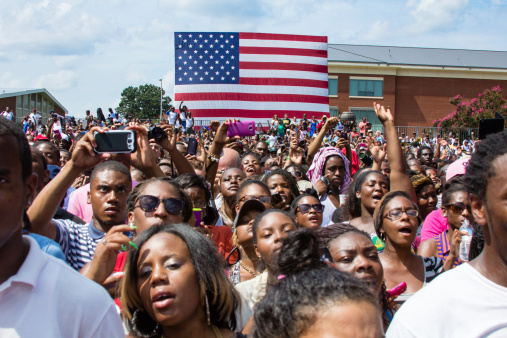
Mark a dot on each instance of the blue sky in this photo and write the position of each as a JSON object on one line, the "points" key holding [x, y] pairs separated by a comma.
{"points": [[86, 52]]}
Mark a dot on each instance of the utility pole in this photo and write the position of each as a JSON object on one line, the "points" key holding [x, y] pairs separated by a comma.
{"points": [[161, 91]]}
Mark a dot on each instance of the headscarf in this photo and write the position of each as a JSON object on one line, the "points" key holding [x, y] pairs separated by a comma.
{"points": [[319, 160]]}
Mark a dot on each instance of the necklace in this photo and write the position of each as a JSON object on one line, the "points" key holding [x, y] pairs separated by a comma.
{"points": [[225, 217], [247, 269]]}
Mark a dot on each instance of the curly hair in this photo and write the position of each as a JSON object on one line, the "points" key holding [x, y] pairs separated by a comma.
{"points": [[291, 181], [209, 267], [354, 203], [480, 167], [419, 152], [291, 306], [420, 181], [136, 192]]}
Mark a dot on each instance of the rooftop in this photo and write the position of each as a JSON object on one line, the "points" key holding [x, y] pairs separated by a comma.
{"points": [[10, 92], [415, 56]]}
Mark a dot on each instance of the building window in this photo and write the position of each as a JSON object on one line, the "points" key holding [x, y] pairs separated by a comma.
{"points": [[370, 115], [369, 88], [333, 111], [333, 86]]}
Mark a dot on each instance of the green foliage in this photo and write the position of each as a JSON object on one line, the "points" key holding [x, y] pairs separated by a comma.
{"points": [[468, 113], [143, 102]]}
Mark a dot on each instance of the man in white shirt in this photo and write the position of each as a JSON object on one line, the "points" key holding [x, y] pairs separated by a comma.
{"points": [[40, 296], [470, 300], [172, 115]]}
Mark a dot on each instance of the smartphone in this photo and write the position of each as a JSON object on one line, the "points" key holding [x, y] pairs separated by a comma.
{"points": [[276, 199], [241, 128], [192, 146], [197, 215], [398, 289], [115, 142]]}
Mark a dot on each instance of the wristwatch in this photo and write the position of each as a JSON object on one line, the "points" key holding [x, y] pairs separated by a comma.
{"points": [[324, 179]]}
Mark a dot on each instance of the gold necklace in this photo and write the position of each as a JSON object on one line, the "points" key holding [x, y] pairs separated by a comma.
{"points": [[247, 269]]}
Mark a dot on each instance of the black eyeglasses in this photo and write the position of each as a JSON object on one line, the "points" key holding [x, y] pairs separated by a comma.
{"points": [[297, 174], [262, 199], [457, 208], [396, 214], [173, 206], [305, 208]]}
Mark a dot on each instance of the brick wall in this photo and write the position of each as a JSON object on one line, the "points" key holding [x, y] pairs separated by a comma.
{"points": [[8, 102]]}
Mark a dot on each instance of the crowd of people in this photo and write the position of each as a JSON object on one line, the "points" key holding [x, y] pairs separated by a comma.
{"points": [[307, 229]]}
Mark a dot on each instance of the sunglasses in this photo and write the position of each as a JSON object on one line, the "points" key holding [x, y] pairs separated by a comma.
{"points": [[305, 208], [173, 206], [396, 214], [457, 208], [297, 174], [262, 199]]}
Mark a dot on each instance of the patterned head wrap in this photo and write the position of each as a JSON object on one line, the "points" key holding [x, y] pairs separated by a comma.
{"points": [[317, 168]]}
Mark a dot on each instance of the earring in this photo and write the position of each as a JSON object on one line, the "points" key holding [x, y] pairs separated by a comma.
{"points": [[207, 309], [138, 322], [29, 203]]}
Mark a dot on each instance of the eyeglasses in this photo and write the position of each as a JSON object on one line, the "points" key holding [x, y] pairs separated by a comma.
{"points": [[396, 214], [457, 208], [263, 199], [199, 204], [305, 208], [148, 203], [297, 174]]}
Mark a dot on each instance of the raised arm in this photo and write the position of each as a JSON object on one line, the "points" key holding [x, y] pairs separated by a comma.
{"points": [[314, 147], [215, 152], [169, 144], [399, 180], [47, 202]]}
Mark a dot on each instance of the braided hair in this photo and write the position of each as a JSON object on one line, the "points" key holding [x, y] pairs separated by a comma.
{"points": [[289, 179]]}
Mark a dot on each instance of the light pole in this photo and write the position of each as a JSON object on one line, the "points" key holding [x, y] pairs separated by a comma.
{"points": [[161, 90]]}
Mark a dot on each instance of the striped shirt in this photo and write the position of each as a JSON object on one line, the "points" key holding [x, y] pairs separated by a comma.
{"points": [[78, 241], [444, 247]]}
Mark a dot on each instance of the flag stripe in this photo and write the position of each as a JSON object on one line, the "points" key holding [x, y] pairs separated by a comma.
{"points": [[265, 89], [294, 74], [246, 113], [283, 66], [251, 97], [284, 37], [283, 82], [282, 44], [282, 58], [283, 51], [250, 105]]}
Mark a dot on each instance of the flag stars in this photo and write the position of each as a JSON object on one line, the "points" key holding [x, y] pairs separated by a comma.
{"points": [[222, 67], [206, 73], [195, 51], [185, 41], [179, 35], [179, 57], [233, 78], [200, 56], [221, 56], [211, 78], [200, 35], [201, 78], [232, 36], [211, 46], [180, 79], [211, 35], [190, 56], [226, 52], [195, 73], [185, 73], [221, 36], [184, 52], [189, 35], [190, 46], [206, 51], [189, 79], [205, 41], [184, 62], [190, 68], [200, 46], [217, 73], [195, 62], [232, 46]]}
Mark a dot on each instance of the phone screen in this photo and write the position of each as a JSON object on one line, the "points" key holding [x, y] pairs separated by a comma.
{"points": [[115, 141], [192, 146]]}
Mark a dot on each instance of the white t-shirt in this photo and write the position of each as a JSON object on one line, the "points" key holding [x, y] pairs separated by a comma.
{"points": [[172, 117], [458, 303], [273, 140], [46, 298]]}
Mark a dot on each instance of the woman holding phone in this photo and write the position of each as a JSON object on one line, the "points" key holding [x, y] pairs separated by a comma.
{"points": [[281, 184]]}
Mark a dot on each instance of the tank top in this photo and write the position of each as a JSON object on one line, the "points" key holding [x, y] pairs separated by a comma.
{"points": [[443, 247]]}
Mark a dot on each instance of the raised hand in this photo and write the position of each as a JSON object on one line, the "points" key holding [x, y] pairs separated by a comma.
{"points": [[83, 156], [383, 114], [331, 123]]}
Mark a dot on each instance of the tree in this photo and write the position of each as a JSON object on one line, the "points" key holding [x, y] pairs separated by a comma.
{"points": [[143, 102], [468, 113]]}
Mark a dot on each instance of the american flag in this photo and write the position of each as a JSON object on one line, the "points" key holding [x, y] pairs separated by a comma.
{"points": [[251, 75]]}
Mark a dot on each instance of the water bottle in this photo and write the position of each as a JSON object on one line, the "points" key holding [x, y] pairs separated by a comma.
{"points": [[464, 247]]}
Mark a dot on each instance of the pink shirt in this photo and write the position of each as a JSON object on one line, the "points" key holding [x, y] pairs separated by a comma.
{"points": [[434, 224], [78, 202]]}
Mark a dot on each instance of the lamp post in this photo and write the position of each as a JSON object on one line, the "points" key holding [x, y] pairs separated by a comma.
{"points": [[161, 91]]}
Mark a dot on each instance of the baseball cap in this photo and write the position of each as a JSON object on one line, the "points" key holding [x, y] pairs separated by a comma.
{"points": [[249, 205], [457, 167], [41, 137]]}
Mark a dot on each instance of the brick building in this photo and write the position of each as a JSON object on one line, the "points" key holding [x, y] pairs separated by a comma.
{"points": [[22, 102], [416, 82]]}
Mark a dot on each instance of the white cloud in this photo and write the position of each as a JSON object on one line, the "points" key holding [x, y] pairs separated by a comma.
{"points": [[63, 79], [136, 74], [431, 15]]}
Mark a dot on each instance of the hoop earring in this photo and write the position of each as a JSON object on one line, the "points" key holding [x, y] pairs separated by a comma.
{"points": [[138, 322], [207, 309]]}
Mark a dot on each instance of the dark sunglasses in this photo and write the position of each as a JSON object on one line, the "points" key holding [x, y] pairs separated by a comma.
{"points": [[305, 208], [297, 174], [148, 203], [263, 199], [457, 208]]}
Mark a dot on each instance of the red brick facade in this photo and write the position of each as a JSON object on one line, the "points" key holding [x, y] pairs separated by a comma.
{"points": [[417, 101]]}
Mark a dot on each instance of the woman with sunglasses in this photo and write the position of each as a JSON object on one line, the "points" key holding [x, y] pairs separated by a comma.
{"points": [[396, 220], [269, 230], [152, 203], [297, 171], [229, 183], [284, 185], [175, 285], [308, 211], [456, 208]]}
